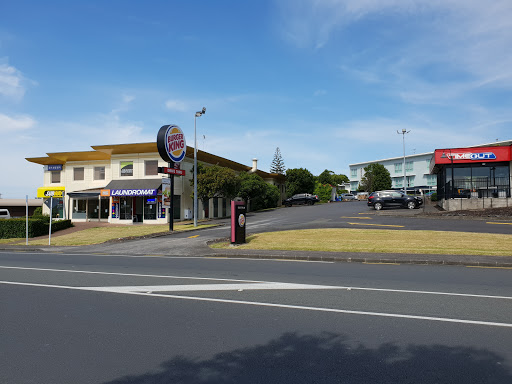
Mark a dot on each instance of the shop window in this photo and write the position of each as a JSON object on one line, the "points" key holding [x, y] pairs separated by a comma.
{"points": [[55, 177], [151, 167], [99, 173], [78, 173], [79, 209], [177, 207], [125, 208]]}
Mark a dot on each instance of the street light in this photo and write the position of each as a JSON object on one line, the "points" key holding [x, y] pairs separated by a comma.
{"points": [[198, 114], [403, 139]]}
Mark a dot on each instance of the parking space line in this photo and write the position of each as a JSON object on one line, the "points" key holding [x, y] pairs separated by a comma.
{"points": [[477, 266], [496, 223], [379, 225], [192, 237], [360, 217]]}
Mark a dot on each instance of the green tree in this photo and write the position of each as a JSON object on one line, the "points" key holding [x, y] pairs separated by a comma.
{"points": [[326, 177], [339, 179], [299, 180], [277, 165], [376, 178], [269, 198], [217, 181], [251, 186], [323, 191]]}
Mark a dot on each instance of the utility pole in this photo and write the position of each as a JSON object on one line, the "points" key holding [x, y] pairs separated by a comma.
{"points": [[403, 139]]}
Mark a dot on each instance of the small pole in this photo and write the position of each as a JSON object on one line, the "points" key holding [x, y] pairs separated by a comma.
{"points": [[26, 217], [51, 212]]}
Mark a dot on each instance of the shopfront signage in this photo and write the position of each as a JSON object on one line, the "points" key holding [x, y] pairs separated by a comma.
{"points": [[133, 192], [126, 168], [171, 143], [47, 192], [472, 156], [54, 167]]}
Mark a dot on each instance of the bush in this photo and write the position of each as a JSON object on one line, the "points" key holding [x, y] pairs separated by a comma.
{"points": [[16, 228], [433, 197], [324, 192], [38, 212]]}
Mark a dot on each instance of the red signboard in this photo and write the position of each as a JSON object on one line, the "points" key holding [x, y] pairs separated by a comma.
{"points": [[172, 171], [473, 155]]}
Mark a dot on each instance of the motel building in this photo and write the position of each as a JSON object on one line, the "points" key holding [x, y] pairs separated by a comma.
{"points": [[120, 184]]}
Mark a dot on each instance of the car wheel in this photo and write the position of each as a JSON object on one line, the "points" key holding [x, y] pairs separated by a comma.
{"points": [[377, 206], [411, 205], [310, 202]]}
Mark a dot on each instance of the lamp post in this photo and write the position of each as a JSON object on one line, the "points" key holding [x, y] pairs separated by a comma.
{"points": [[198, 114], [403, 139]]}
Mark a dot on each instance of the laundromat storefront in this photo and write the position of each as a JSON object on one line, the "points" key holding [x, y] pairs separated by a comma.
{"points": [[135, 201]]}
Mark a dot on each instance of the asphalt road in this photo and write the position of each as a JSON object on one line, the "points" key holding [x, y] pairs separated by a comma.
{"points": [[337, 215], [78, 318]]}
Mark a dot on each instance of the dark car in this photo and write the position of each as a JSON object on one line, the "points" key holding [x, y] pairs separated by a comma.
{"points": [[381, 199], [301, 198]]}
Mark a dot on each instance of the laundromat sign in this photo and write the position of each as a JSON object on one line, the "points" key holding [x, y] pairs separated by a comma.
{"points": [[47, 192], [133, 192]]}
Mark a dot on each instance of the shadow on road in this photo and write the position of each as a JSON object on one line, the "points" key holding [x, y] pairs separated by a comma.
{"points": [[328, 358]]}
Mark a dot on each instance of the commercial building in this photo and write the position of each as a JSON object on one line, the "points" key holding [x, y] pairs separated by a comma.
{"points": [[473, 178], [121, 184], [465, 178]]}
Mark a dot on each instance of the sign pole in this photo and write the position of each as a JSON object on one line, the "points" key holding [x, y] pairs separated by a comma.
{"points": [[26, 217], [51, 213], [171, 208]]}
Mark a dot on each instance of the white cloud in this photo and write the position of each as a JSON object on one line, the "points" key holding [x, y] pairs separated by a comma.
{"points": [[9, 124], [176, 105], [11, 82]]}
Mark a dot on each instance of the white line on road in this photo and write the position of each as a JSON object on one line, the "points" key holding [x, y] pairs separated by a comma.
{"points": [[266, 282], [285, 306]]}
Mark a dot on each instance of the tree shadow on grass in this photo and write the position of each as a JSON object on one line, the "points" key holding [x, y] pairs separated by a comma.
{"points": [[327, 358]]}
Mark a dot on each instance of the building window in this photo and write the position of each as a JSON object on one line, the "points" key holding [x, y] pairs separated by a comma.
{"points": [[431, 180], [398, 167], [99, 173], [78, 173], [55, 177], [399, 182], [126, 168], [410, 181], [409, 166], [353, 173], [151, 167]]}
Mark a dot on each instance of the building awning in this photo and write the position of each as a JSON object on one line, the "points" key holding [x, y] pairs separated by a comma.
{"points": [[88, 193]]}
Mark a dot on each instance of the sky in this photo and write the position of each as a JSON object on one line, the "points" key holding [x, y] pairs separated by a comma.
{"points": [[329, 82]]}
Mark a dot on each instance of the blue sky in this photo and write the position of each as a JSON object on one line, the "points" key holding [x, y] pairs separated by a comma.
{"points": [[329, 82]]}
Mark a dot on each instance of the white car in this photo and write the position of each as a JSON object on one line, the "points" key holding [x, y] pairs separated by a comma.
{"points": [[4, 214], [348, 196]]}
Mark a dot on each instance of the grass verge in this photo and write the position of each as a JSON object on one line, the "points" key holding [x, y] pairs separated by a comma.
{"points": [[381, 241], [103, 234]]}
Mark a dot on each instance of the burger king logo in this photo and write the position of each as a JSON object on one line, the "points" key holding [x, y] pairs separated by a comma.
{"points": [[171, 143]]}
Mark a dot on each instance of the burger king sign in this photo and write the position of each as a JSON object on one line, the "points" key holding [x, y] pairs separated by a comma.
{"points": [[171, 143]]}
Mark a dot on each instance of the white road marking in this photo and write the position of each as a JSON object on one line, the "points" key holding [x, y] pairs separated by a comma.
{"points": [[265, 282], [206, 287], [285, 306]]}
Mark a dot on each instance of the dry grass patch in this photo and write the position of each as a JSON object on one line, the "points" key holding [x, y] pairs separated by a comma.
{"points": [[383, 241], [102, 234]]}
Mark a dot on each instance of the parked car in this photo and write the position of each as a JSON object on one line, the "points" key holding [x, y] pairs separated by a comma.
{"points": [[4, 214], [301, 198], [348, 196], [381, 199]]}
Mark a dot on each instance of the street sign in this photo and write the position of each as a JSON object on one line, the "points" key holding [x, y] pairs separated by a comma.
{"points": [[171, 171]]}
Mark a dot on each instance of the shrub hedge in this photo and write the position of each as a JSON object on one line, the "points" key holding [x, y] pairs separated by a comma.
{"points": [[16, 228]]}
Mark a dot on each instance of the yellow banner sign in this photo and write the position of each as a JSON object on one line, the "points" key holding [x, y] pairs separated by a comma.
{"points": [[47, 192]]}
